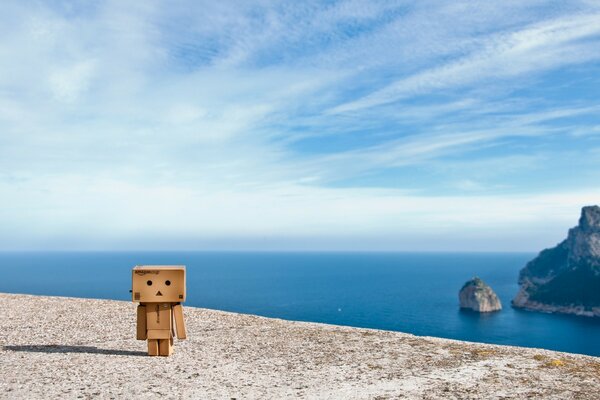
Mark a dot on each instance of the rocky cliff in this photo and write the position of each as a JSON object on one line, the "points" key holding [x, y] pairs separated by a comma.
{"points": [[566, 278], [478, 296]]}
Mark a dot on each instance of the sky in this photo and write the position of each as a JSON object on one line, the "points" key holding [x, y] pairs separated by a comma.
{"points": [[313, 125]]}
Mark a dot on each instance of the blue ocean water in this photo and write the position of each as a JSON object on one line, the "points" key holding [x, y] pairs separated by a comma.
{"points": [[408, 292]]}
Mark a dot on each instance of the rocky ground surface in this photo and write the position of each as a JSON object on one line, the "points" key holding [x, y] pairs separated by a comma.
{"points": [[52, 347]]}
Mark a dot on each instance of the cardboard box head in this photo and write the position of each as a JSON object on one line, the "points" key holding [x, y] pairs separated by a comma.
{"points": [[158, 284]]}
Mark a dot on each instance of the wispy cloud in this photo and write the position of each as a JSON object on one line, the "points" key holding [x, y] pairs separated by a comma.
{"points": [[309, 124], [290, 216], [544, 46], [456, 139]]}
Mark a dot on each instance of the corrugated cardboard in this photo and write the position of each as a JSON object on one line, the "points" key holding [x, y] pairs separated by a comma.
{"points": [[159, 334], [179, 323], [152, 347], [141, 323], [158, 284], [158, 316], [159, 289], [165, 347]]}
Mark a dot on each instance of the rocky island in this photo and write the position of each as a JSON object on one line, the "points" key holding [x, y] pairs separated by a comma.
{"points": [[476, 295], [566, 278], [65, 348]]}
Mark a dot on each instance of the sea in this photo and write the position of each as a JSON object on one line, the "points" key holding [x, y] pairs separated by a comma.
{"points": [[415, 293]]}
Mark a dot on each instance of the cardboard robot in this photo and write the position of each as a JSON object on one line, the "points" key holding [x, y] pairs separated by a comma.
{"points": [[160, 290]]}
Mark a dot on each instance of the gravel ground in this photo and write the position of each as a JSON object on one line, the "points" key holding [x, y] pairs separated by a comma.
{"points": [[56, 347]]}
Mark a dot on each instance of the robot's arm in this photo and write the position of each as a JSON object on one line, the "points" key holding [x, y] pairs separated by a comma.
{"points": [[142, 332], [179, 323]]}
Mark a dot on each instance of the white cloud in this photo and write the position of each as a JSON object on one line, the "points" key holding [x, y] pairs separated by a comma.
{"points": [[109, 210], [181, 114], [412, 150], [541, 47], [141, 124], [69, 83]]}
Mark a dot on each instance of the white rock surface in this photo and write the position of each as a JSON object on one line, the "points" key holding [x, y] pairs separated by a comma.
{"points": [[52, 347]]}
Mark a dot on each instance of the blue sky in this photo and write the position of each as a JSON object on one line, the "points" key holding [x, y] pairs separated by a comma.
{"points": [[331, 125]]}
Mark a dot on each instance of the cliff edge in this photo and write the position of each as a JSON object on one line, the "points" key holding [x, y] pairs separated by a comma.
{"points": [[566, 278], [56, 347]]}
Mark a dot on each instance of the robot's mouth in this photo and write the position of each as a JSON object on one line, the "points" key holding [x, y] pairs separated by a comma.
{"points": [[159, 293]]}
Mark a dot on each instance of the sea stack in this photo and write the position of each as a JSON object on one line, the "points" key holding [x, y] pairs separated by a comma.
{"points": [[566, 278], [478, 296]]}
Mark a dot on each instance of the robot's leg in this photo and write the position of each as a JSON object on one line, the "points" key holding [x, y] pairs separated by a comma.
{"points": [[153, 347], [165, 347]]}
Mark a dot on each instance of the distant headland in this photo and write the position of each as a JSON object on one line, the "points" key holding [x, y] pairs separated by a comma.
{"points": [[566, 278]]}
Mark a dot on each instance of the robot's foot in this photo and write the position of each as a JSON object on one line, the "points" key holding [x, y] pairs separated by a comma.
{"points": [[165, 347], [160, 347], [152, 347]]}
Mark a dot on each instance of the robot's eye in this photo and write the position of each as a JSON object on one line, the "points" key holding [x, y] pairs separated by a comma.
{"points": [[167, 283], [149, 283]]}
